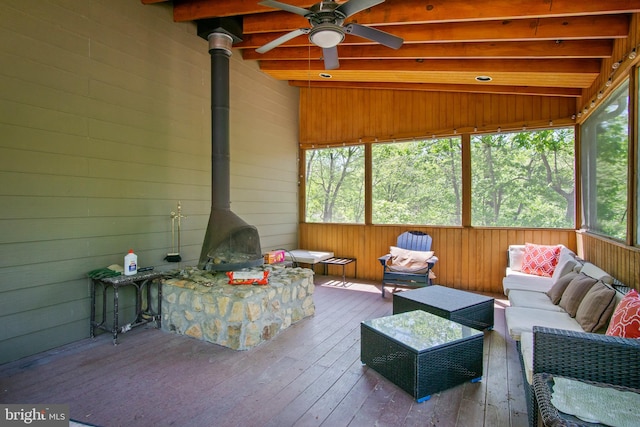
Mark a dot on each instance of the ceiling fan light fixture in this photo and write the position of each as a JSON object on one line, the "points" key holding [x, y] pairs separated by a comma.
{"points": [[326, 36]]}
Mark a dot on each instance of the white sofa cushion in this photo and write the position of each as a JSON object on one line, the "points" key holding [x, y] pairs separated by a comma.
{"points": [[526, 282], [532, 299], [516, 254], [516, 279], [596, 272], [523, 319], [526, 349]]}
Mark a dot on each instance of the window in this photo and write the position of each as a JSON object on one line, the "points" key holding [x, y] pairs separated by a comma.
{"points": [[523, 179], [605, 145], [417, 182], [335, 185]]}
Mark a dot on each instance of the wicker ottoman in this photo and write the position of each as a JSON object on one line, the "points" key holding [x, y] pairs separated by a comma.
{"points": [[422, 353], [470, 309]]}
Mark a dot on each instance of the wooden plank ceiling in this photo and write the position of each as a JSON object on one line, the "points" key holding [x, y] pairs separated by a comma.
{"points": [[539, 47]]}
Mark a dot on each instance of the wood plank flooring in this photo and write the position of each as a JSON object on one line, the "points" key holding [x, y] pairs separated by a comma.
{"points": [[308, 375]]}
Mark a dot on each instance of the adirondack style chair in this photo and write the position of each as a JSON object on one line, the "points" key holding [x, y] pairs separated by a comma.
{"points": [[414, 274]]}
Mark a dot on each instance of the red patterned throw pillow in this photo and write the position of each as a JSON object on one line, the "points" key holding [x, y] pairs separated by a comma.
{"points": [[540, 260], [625, 321]]}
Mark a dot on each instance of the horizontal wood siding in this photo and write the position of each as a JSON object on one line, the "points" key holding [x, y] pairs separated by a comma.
{"points": [[332, 115], [106, 123], [264, 153], [469, 258]]}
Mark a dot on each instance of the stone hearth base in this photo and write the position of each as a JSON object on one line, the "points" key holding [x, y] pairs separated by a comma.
{"points": [[203, 305]]}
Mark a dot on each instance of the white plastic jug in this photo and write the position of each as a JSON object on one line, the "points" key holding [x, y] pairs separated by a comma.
{"points": [[130, 263]]}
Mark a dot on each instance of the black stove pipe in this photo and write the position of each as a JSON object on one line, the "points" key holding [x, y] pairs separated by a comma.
{"points": [[220, 51], [229, 243]]}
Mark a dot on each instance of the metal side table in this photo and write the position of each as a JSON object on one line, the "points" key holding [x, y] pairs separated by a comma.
{"points": [[340, 261], [143, 316]]}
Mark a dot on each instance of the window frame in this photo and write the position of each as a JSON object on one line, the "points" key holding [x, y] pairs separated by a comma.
{"points": [[586, 177]]}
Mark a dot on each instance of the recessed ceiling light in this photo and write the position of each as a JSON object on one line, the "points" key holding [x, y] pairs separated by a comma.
{"points": [[325, 75], [483, 78]]}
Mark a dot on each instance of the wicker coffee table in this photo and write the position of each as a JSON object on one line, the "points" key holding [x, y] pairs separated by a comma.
{"points": [[422, 353], [470, 309]]}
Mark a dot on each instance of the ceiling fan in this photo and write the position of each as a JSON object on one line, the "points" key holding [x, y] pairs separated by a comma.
{"points": [[327, 29]]}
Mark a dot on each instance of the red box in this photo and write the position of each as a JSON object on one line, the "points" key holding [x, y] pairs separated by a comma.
{"points": [[273, 257]]}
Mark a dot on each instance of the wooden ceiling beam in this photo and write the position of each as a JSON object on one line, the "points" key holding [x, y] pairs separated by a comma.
{"points": [[192, 10], [575, 80], [511, 72], [429, 87], [495, 50], [574, 28], [541, 47], [416, 10], [586, 66]]}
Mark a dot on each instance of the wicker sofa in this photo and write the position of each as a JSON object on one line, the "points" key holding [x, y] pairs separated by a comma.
{"points": [[550, 340]]}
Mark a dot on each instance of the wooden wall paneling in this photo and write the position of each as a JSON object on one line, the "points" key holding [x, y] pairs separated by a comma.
{"points": [[492, 241], [487, 113], [451, 255], [503, 109], [476, 255], [504, 243], [469, 258], [475, 113], [488, 260], [465, 267], [456, 237], [385, 114], [456, 105], [621, 261], [440, 246], [475, 267]]}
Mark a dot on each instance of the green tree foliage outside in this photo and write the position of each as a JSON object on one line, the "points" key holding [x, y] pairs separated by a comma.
{"points": [[417, 182], [605, 147], [335, 185], [523, 179]]}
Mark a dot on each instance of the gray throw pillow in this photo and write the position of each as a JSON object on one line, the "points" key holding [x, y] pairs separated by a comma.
{"points": [[596, 307], [559, 287], [575, 292]]}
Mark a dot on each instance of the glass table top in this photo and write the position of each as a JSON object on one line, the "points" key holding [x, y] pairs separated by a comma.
{"points": [[421, 330]]}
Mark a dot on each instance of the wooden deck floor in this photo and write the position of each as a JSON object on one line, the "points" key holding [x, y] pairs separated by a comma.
{"points": [[309, 375]]}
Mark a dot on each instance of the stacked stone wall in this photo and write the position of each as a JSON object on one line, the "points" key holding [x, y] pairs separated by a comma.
{"points": [[203, 305]]}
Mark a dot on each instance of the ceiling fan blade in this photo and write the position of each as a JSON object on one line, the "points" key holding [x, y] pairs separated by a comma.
{"points": [[287, 7], [282, 39], [381, 37], [330, 58], [354, 6]]}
